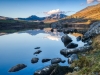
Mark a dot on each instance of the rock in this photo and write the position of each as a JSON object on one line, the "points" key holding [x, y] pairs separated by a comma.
{"points": [[89, 42], [72, 45], [66, 52], [62, 70], [59, 30], [68, 31], [76, 68], [66, 39], [37, 48], [46, 70], [45, 60], [75, 30], [93, 30], [78, 38], [52, 30], [63, 61], [34, 60], [55, 60], [72, 58], [37, 52], [17, 67]]}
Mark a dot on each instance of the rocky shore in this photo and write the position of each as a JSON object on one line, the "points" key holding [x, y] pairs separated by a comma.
{"points": [[77, 56]]}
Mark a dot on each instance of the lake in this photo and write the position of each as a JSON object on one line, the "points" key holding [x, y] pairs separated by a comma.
{"points": [[17, 48]]}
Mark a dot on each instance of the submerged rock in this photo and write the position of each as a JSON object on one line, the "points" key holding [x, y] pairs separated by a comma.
{"points": [[34, 60], [17, 67], [37, 52], [37, 48], [66, 39], [45, 60], [72, 45], [78, 38], [55, 60], [72, 58], [46, 70], [66, 52]]}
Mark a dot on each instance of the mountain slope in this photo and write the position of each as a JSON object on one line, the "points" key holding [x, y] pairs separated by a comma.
{"points": [[91, 12]]}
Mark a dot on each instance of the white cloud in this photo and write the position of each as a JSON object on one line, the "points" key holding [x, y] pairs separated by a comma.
{"points": [[91, 1], [98, 0], [56, 11]]}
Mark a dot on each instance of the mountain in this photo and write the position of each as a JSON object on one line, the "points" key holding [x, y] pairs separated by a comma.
{"points": [[90, 12], [56, 16], [51, 17], [33, 17]]}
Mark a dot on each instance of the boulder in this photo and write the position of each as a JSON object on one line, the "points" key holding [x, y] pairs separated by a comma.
{"points": [[34, 60], [72, 58], [93, 30], [37, 52], [17, 67], [46, 70], [52, 30], [72, 45], [66, 52], [37, 48], [78, 38], [55, 60], [66, 39], [45, 60]]}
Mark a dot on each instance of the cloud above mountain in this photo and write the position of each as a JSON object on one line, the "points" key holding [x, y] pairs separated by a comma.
{"points": [[91, 1], [56, 11]]}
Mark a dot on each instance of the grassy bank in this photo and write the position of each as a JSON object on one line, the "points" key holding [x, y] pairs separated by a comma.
{"points": [[89, 64]]}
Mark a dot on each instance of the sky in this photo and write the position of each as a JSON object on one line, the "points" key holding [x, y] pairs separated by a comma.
{"points": [[41, 8]]}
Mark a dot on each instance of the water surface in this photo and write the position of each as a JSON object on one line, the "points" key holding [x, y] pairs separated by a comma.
{"points": [[17, 48]]}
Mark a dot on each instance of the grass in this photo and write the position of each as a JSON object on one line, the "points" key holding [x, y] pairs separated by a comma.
{"points": [[90, 63]]}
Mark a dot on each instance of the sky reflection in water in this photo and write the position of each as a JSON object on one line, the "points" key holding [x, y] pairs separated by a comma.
{"points": [[19, 47]]}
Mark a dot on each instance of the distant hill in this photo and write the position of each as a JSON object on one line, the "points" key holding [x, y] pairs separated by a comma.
{"points": [[33, 17], [6, 18]]}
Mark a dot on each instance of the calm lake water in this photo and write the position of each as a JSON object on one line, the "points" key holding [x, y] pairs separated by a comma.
{"points": [[17, 48]]}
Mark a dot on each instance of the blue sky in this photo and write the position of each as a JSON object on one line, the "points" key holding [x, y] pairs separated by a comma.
{"points": [[26, 8]]}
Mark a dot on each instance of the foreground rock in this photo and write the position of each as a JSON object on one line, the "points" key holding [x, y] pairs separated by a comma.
{"points": [[34, 60], [72, 58], [67, 52], [72, 45], [17, 67], [38, 52], [46, 70], [62, 70], [66, 39], [54, 70], [37, 48], [45, 60]]}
